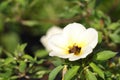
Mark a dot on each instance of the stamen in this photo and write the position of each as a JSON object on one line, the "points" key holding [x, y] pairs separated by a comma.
{"points": [[75, 49]]}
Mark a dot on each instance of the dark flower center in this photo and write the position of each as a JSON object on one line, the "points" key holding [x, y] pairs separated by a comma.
{"points": [[75, 49]]}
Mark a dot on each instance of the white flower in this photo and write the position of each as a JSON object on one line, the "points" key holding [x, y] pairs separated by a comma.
{"points": [[50, 32], [75, 42]]}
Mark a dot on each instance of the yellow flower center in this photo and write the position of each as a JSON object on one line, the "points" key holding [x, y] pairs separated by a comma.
{"points": [[75, 49]]}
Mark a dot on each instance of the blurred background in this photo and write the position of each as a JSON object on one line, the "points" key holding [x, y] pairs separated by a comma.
{"points": [[25, 21]]}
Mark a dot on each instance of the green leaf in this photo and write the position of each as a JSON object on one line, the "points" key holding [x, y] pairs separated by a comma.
{"points": [[9, 60], [115, 38], [0, 50], [99, 37], [9, 41], [28, 57], [114, 26], [22, 46], [54, 72], [40, 61], [1, 23], [41, 53], [41, 73], [14, 77], [71, 73], [30, 23], [20, 49], [89, 75], [97, 70], [22, 66], [105, 55]]}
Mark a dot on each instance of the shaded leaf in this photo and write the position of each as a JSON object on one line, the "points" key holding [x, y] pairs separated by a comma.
{"points": [[41, 73], [71, 73], [89, 75], [41, 53], [54, 72]]}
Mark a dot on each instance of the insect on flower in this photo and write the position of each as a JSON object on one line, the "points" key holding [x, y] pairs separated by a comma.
{"points": [[73, 42]]}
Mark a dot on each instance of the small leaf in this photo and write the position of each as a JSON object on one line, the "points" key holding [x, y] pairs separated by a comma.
{"points": [[22, 46], [41, 53], [54, 72], [9, 60], [22, 66], [115, 37], [105, 55], [28, 57], [30, 23], [114, 26], [20, 49], [89, 75], [97, 70], [40, 61], [41, 73], [13, 77], [71, 73]]}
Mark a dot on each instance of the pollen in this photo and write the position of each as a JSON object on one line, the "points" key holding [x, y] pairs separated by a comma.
{"points": [[75, 49]]}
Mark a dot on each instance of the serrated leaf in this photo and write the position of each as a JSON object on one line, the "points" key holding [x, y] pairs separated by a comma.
{"points": [[54, 72], [105, 55], [97, 70], [89, 75], [71, 73]]}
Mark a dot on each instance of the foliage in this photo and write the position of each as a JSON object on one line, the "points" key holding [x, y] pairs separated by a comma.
{"points": [[25, 21]]}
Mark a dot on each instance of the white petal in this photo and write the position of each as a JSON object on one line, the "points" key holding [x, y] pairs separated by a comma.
{"points": [[72, 31], [90, 37], [44, 39], [60, 55], [58, 44], [86, 51], [58, 40], [54, 30]]}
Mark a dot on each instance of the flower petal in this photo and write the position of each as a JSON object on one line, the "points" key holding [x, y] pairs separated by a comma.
{"points": [[54, 30], [85, 51], [89, 37], [62, 55], [58, 44], [44, 39], [72, 31]]}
